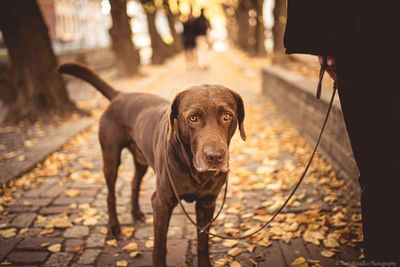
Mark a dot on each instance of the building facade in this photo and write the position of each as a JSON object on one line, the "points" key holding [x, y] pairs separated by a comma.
{"points": [[76, 24]]}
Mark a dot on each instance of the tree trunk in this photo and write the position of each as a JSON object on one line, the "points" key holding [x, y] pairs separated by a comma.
{"points": [[232, 24], [37, 88], [127, 55], [260, 30], [278, 30], [242, 15], [177, 45], [159, 48]]}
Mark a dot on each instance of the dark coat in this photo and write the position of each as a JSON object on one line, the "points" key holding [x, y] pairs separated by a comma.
{"points": [[189, 34], [202, 25], [329, 27]]}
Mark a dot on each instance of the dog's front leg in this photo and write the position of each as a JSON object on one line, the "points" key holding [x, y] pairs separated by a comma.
{"points": [[204, 213], [162, 213]]}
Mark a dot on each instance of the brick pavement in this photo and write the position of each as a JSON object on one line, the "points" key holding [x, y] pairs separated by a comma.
{"points": [[257, 166]]}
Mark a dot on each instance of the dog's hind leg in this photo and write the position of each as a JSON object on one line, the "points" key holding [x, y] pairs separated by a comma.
{"points": [[140, 171], [111, 162], [111, 147]]}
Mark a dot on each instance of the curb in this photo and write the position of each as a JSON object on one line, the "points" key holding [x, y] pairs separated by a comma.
{"points": [[294, 97], [13, 168]]}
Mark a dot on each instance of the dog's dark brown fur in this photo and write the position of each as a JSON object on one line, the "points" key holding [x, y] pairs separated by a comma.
{"points": [[190, 137]]}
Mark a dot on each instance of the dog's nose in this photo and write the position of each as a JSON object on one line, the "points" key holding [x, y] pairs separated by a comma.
{"points": [[214, 155]]}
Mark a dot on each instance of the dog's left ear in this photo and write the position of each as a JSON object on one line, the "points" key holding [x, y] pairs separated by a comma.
{"points": [[240, 114], [173, 115]]}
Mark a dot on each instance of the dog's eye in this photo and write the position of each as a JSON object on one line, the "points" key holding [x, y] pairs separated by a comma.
{"points": [[193, 118], [227, 117]]}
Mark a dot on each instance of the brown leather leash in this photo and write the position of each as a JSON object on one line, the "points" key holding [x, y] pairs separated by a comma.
{"points": [[266, 223]]}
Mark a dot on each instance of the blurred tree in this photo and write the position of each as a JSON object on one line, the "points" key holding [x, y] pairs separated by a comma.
{"points": [[160, 50], [278, 30], [246, 25], [177, 45], [259, 33], [231, 23], [242, 18], [128, 58], [36, 87]]}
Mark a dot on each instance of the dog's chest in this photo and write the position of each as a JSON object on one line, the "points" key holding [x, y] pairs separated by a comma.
{"points": [[193, 191]]}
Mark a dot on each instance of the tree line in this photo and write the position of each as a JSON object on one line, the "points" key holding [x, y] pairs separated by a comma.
{"points": [[37, 89]]}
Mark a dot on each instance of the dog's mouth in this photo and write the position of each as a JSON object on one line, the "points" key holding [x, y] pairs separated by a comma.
{"points": [[203, 167]]}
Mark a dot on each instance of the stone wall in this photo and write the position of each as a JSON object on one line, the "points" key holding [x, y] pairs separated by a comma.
{"points": [[98, 59], [294, 97]]}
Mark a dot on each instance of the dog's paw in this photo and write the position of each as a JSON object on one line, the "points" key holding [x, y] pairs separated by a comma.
{"points": [[114, 231], [138, 216], [204, 261]]}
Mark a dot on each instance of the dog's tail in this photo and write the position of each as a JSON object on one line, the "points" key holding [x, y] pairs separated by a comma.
{"points": [[84, 73]]}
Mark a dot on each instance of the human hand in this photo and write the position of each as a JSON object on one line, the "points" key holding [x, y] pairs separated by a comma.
{"points": [[331, 68]]}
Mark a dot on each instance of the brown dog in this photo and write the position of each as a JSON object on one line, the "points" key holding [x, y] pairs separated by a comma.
{"points": [[190, 137]]}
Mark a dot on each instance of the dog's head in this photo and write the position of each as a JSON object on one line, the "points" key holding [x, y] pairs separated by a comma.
{"points": [[205, 117]]}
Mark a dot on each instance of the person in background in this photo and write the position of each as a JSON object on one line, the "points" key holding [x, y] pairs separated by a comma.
{"points": [[202, 44], [189, 42], [354, 37]]}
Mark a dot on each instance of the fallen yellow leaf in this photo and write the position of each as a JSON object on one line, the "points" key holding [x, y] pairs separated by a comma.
{"points": [[216, 239], [112, 242], [79, 250], [23, 231], [55, 248], [235, 264], [128, 231], [44, 244], [88, 165], [27, 203], [327, 253], [230, 243], [249, 248], [21, 158], [220, 262], [135, 254], [40, 219], [313, 236], [247, 216], [121, 263], [90, 221], [72, 192], [331, 243], [234, 252], [10, 232], [299, 262], [103, 230], [30, 143], [62, 221], [46, 231], [130, 246], [262, 218], [149, 244]]}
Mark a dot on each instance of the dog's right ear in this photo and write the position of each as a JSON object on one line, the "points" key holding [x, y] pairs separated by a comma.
{"points": [[173, 115]]}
